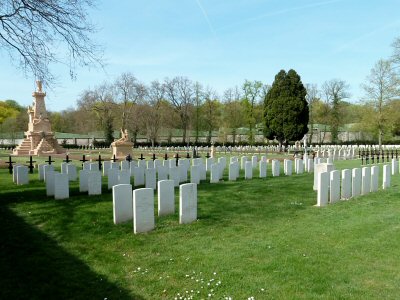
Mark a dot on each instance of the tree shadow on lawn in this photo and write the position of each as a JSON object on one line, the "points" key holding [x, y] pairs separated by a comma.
{"points": [[33, 266]]}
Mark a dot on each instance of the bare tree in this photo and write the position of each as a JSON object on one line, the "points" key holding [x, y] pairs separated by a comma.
{"points": [[382, 86], [311, 97], [155, 97], [233, 114], [31, 32], [335, 91], [128, 92], [100, 101], [179, 91], [198, 101], [211, 112]]}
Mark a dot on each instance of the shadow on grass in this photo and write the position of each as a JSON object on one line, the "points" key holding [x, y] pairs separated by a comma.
{"points": [[33, 266]]}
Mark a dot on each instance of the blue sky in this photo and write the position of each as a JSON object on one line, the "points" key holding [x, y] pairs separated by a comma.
{"points": [[221, 43]]}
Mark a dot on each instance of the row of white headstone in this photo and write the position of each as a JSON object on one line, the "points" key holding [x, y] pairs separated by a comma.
{"points": [[139, 204], [358, 181]]}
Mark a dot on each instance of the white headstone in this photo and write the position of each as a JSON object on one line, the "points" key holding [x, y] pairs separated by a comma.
{"points": [[106, 167], [386, 177], [125, 165], [323, 188], [248, 170], [275, 168], [209, 163], [124, 176], [83, 180], [46, 169], [143, 210], [22, 175], [174, 175], [61, 186], [310, 165], [346, 184], [300, 166], [187, 203], [94, 166], [374, 178], [151, 178], [195, 174], [321, 167], [289, 167], [86, 165], [356, 182], [233, 171], [183, 170], [64, 168], [138, 176], [94, 183], [158, 163], [334, 187], [142, 164], [150, 164], [162, 172], [72, 172], [50, 182], [112, 178], [263, 168], [243, 160], [395, 166], [166, 197], [122, 203], [366, 180], [215, 172], [41, 171], [254, 161], [115, 165]]}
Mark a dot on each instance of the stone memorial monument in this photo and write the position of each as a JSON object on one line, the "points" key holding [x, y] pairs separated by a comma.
{"points": [[122, 147], [39, 139]]}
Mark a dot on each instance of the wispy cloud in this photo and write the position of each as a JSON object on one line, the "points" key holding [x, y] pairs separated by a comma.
{"points": [[275, 13], [364, 36], [204, 12]]}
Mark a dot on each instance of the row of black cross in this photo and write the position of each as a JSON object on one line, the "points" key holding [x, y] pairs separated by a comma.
{"points": [[99, 160], [368, 156]]}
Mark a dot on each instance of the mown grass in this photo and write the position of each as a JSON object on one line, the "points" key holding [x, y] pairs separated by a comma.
{"points": [[261, 238]]}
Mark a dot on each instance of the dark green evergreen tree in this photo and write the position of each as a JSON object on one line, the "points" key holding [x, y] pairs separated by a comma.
{"points": [[286, 109]]}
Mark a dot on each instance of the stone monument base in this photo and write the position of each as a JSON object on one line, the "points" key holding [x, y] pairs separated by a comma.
{"points": [[122, 150]]}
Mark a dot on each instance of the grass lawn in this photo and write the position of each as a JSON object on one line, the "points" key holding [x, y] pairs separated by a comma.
{"points": [[261, 238]]}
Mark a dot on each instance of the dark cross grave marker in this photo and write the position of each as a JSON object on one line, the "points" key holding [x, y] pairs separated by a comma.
{"points": [[392, 153], [10, 164], [362, 157], [141, 156], [208, 155], [373, 156], [377, 156], [83, 160], [166, 156], [100, 164], [367, 157], [49, 160], [188, 155], [387, 155], [396, 154], [177, 158], [129, 158], [31, 166], [67, 160], [154, 157], [114, 159]]}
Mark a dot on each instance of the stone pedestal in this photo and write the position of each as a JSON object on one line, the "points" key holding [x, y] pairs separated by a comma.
{"points": [[122, 150]]}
